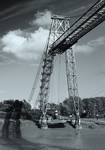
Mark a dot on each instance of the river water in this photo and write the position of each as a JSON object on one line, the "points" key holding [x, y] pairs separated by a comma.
{"points": [[56, 139]]}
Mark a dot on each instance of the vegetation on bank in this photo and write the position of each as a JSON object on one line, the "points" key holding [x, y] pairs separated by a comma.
{"points": [[8, 106], [89, 107], [94, 107]]}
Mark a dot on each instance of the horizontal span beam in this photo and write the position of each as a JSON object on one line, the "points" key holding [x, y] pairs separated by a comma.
{"points": [[88, 21]]}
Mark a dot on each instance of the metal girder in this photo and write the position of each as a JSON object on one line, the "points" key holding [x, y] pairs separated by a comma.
{"points": [[88, 21]]}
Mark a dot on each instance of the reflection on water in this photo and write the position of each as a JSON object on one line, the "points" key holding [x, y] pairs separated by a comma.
{"points": [[86, 139], [56, 139], [77, 142]]}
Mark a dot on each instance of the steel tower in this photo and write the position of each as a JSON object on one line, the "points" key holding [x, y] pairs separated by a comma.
{"points": [[58, 26]]}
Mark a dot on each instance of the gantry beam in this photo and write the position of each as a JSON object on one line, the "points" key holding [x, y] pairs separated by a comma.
{"points": [[88, 21]]}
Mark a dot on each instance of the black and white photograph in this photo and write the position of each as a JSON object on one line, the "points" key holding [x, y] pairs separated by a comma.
{"points": [[52, 75]]}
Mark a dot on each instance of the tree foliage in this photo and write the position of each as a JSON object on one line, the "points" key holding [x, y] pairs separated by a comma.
{"points": [[88, 107]]}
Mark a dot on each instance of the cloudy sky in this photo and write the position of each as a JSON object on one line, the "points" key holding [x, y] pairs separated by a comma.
{"points": [[24, 28]]}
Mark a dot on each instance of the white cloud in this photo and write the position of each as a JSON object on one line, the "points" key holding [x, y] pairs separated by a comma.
{"points": [[25, 46], [28, 45], [42, 18], [97, 42], [83, 49], [89, 47]]}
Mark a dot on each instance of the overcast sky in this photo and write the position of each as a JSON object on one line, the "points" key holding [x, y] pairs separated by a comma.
{"points": [[24, 28]]}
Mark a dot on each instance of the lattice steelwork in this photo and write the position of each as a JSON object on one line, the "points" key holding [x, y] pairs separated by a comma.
{"points": [[88, 21], [72, 83], [58, 26], [45, 80]]}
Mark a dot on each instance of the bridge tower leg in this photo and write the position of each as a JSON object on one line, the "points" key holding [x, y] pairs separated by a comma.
{"points": [[72, 84]]}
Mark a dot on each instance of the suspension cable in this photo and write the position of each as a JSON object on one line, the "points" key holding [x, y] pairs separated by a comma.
{"points": [[36, 79], [59, 72]]}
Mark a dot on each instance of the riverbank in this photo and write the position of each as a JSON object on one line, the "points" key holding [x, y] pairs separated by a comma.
{"points": [[93, 123]]}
